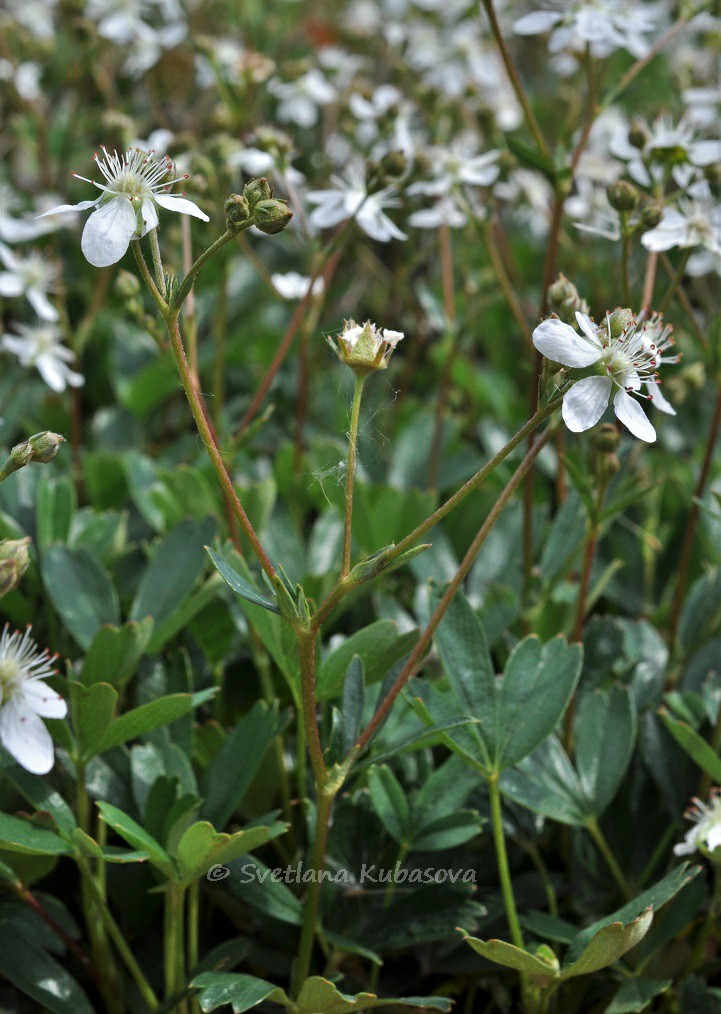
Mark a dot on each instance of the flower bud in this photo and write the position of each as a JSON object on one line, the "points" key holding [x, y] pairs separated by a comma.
{"points": [[393, 165], [712, 173], [41, 447], [365, 348], [564, 300], [271, 216], [619, 320], [639, 135], [622, 196], [14, 560], [237, 213], [256, 191], [605, 438], [650, 216], [126, 285]]}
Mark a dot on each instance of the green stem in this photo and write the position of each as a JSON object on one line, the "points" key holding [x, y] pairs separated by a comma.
{"points": [[515, 79], [118, 939], [204, 428], [189, 280], [499, 268], [504, 872], [596, 833], [158, 262], [301, 967], [174, 945], [221, 327], [637, 67], [193, 924], [625, 274], [306, 656], [675, 281], [147, 277], [350, 473]]}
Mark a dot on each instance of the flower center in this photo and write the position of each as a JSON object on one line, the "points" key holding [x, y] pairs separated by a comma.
{"points": [[9, 678], [617, 364]]}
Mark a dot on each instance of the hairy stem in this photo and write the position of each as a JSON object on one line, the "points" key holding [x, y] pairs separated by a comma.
{"points": [[301, 967], [350, 474], [504, 873]]}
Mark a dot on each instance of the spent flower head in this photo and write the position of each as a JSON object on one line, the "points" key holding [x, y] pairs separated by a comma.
{"points": [[25, 699], [135, 185], [366, 348]]}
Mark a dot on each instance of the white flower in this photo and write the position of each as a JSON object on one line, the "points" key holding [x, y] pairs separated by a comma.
{"points": [[445, 211], [454, 167], [350, 199], [706, 835], [365, 347], [301, 99], [691, 224], [626, 362], [294, 286], [668, 144], [40, 346], [703, 105], [605, 25], [25, 699], [32, 276], [134, 184]]}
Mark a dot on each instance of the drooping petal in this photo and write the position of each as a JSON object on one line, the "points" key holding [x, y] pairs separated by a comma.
{"points": [[25, 737], [108, 232], [43, 701], [172, 203], [587, 326], [659, 400], [61, 208], [52, 371], [561, 344], [633, 417], [150, 216], [10, 285], [585, 403], [41, 304]]}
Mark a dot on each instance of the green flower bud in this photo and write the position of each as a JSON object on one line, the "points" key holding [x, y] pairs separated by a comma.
{"points": [[639, 135], [619, 320], [650, 216], [271, 216], [126, 285], [41, 447], [256, 191], [564, 300], [14, 560], [622, 196], [237, 213], [393, 165], [605, 438]]}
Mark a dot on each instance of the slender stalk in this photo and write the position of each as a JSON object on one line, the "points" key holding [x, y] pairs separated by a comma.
{"points": [[423, 643], [158, 262], [193, 918], [504, 873], [147, 277], [192, 274], [499, 268], [350, 474], [625, 273], [174, 947], [204, 428], [221, 327], [649, 281], [597, 834], [306, 640], [191, 324], [633, 71], [144, 987], [675, 282], [589, 555], [301, 967], [449, 305], [514, 78], [686, 303], [692, 522]]}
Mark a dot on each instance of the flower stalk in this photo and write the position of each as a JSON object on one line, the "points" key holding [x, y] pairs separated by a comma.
{"points": [[350, 473]]}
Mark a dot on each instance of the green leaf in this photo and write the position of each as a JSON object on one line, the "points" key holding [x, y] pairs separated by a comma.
{"points": [[390, 803], [319, 996], [697, 748], [40, 795], [173, 570], [80, 591], [242, 992], [18, 835], [531, 157], [202, 847], [510, 956], [242, 753], [353, 698], [605, 733], [56, 505], [379, 645], [138, 837], [238, 583], [149, 716], [547, 783], [608, 945], [252, 882], [115, 652], [182, 616], [447, 831], [38, 975], [92, 709], [636, 994]]}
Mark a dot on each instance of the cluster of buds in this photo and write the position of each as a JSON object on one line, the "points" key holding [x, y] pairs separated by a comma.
{"points": [[42, 447], [365, 348], [564, 300], [14, 560], [257, 206]]}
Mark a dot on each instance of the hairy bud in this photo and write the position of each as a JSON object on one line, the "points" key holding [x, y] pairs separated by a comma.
{"points": [[564, 300], [650, 216], [639, 135], [271, 216], [237, 213], [126, 285], [14, 560], [622, 196], [42, 447], [256, 191], [619, 320]]}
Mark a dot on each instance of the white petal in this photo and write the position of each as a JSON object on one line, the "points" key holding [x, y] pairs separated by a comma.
{"points": [[585, 403], [172, 203], [659, 400], [586, 325], [705, 152], [61, 208], [41, 304], [633, 417], [25, 737], [52, 371], [108, 232], [44, 701], [713, 837], [10, 285], [150, 216], [560, 343], [536, 22]]}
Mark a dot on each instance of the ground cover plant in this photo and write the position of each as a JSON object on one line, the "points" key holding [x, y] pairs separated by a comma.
{"points": [[360, 570]]}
